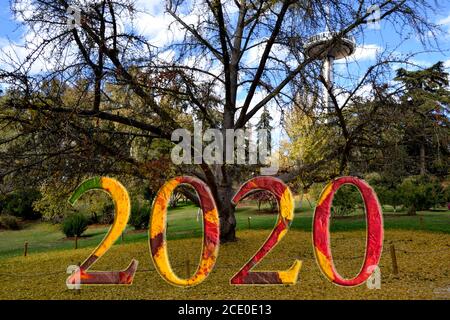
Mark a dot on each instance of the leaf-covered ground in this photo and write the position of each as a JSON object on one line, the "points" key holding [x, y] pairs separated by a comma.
{"points": [[423, 259]]}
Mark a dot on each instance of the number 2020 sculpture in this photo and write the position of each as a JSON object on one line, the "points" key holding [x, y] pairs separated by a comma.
{"points": [[211, 230]]}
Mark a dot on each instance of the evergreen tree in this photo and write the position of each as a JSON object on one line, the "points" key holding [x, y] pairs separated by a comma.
{"points": [[425, 104], [264, 124]]}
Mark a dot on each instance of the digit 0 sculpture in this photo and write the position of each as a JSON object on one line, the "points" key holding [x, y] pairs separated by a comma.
{"points": [[157, 233], [321, 231]]}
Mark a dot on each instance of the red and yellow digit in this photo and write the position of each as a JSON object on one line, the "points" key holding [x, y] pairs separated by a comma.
{"points": [[158, 228], [321, 232], [122, 213], [285, 201], [211, 229]]}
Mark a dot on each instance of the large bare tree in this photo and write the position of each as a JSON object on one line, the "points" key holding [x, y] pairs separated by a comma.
{"points": [[105, 86]]}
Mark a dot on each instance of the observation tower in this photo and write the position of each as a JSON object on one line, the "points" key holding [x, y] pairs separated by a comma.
{"points": [[328, 46]]}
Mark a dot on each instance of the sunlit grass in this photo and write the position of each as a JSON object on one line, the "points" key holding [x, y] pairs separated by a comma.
{"points": [[183, 223], [422, 258]]}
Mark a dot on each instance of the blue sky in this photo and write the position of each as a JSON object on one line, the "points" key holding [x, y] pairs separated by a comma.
{"points": [[382, 38], [7, 24], [385, 37]]}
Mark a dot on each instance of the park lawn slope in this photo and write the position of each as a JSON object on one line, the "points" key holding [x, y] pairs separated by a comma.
{"points": [[182, 223]]}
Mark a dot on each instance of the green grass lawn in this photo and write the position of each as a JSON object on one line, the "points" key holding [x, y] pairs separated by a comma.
{"points": [[182, 223]]}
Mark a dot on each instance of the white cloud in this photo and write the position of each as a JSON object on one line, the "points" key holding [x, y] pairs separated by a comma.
{"points": [[150, 21], [364, 91], [447, 64], [12, 54], [158, 26], [445, 24], [444, 21], [367, 52], [253, 55]]}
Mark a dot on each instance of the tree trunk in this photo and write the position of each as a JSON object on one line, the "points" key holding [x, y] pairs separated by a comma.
{"points": [[189, 194], [422, 159], [219, 181], [412, 211], [226, 214], [300, 206], [309, 202]]}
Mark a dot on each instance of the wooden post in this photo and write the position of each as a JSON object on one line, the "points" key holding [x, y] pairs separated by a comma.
{"points": [[394, 260], [249, 222], [76, 242], [25, 249], [421, 222], [122, 237], [188, 268]]}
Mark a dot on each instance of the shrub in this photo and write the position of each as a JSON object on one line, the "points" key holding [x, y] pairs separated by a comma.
{"points": [[421, 193], [9, 222], [53, 207], [175, 197], [75, 225], [392, 197], [446, 197], [20, 204], [107, 215], [346, 200], [264, 197], [315, 190], [140, 215], [93, 218]]}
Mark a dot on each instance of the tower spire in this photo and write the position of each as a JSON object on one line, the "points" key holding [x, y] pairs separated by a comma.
{"points": [[324, 47], [327, 17]]}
